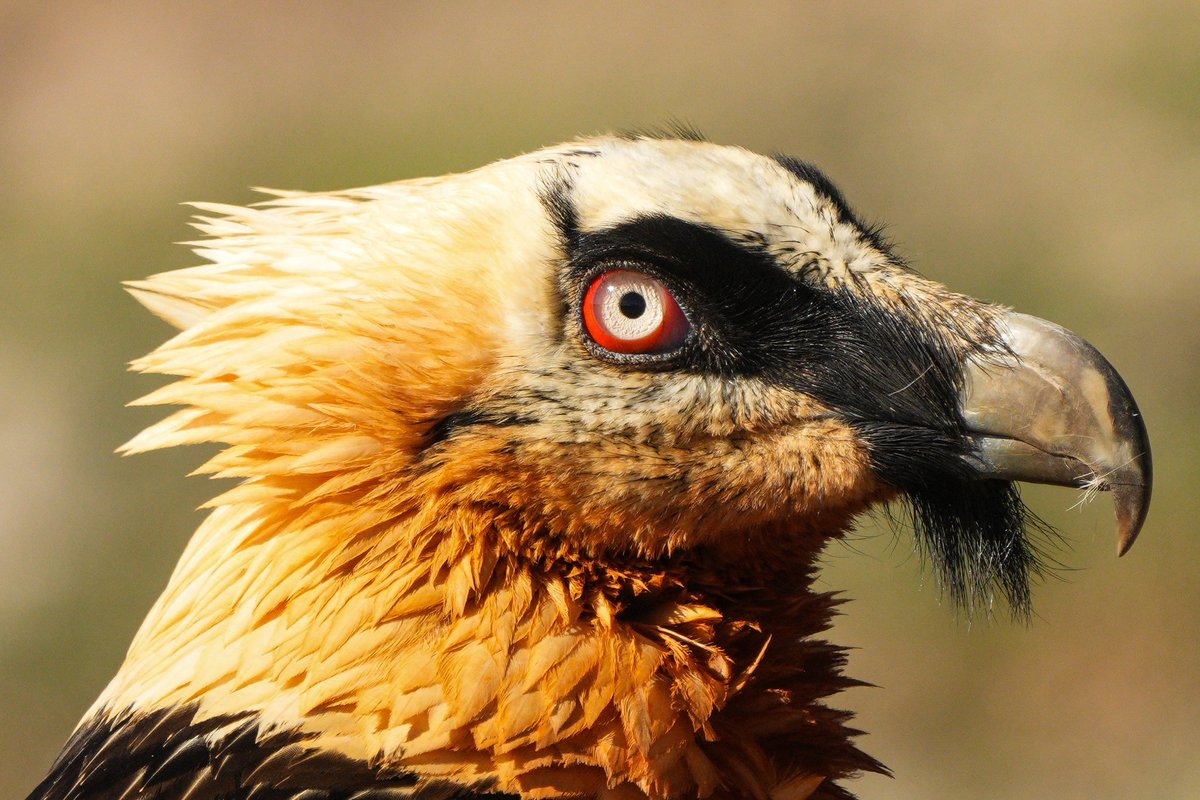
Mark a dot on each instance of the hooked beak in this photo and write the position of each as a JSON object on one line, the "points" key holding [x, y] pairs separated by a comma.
{"points": [[1059, 413]]}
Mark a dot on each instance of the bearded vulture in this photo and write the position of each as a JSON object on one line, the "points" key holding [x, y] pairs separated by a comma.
{"points": [[535, 465]]}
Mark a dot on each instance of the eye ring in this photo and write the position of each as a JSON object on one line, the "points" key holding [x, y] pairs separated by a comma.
{"points": [[629, 312]]}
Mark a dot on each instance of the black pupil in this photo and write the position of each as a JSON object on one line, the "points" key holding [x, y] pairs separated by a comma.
{"points": [[632, 304]]}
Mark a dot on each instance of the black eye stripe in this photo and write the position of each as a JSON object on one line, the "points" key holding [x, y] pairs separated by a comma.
{"points": [[722, 285], [754, 318]]}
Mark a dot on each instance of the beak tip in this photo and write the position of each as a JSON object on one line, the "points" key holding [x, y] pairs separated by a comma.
{"points": [[1132, 501]]}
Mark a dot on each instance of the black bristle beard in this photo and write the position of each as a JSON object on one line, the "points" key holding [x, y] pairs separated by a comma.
{"points": [[974, 533], [979, 537]]}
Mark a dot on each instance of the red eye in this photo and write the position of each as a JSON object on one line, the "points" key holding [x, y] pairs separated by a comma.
{"points": [[630, 312]]}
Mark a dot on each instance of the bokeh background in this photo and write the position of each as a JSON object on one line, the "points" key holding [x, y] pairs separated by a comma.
{"points": [[1042, 155]]}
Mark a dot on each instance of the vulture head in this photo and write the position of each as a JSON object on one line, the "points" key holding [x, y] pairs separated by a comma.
{"points": [[535, 465]]}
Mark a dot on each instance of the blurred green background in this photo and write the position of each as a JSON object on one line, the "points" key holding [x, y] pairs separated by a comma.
{"points": [[1046, 156]]}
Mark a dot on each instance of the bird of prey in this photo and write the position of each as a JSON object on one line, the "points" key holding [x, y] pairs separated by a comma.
{"points": [[535, 466]]}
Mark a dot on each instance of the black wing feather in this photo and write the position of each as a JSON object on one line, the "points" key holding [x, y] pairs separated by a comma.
{"points": [[168, 753]]}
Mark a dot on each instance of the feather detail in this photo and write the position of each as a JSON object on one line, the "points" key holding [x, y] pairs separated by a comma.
{"points": [[462, 553]]}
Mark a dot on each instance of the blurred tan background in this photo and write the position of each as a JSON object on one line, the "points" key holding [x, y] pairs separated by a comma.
{"points": [[1042, 155]]}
